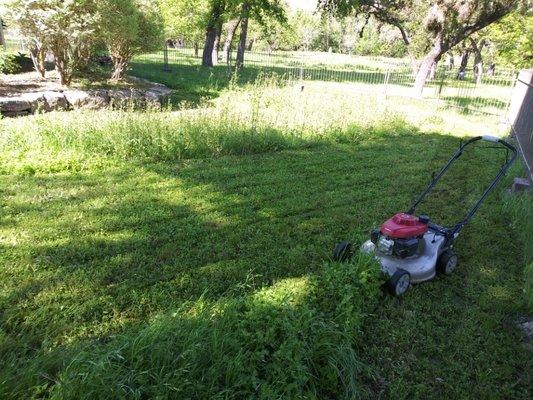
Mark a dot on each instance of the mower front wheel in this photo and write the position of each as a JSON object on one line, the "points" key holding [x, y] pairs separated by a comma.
{"points": [[447, 262], [342, 252], [399, 282]]}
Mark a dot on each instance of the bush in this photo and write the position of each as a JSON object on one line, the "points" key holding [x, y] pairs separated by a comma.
{"points": [[11, 63]]}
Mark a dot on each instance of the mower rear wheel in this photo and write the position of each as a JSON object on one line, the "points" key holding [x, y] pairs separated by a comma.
{"points": [[342, 252], [447, 262], [399, 282]]}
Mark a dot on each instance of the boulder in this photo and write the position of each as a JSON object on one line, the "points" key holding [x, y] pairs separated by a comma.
{"points": [[36, 100], [91, 100], [126, 98], [13, 106], [55, 101]]}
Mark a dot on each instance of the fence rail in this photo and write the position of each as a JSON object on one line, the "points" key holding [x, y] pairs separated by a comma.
{"points": [[490, 94]]}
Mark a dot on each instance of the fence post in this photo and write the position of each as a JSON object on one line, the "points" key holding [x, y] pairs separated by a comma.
{"points": [[386, 82], [166, 68]]}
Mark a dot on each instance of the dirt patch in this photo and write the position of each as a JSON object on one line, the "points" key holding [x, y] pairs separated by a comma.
{"points": [[28, 82], [14, 85]]}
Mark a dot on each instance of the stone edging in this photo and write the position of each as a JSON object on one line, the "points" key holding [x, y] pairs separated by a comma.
{"points": [[155, 95]]}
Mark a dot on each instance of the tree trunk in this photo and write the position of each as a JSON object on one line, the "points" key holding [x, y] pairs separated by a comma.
{"points": [[61, 61], [478, 59], [2, 40], [65, 77], [432, 71], [38, 54], [212, 34], [119, 68], [464, 59], [242, 39], [425, 67], [232, 28], [216, 45], [250, 44], [210, 38], [451, 60]]}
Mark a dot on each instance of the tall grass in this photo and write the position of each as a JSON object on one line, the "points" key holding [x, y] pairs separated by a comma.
{"points": [[260, 118], [264, 116], [520, 207]]}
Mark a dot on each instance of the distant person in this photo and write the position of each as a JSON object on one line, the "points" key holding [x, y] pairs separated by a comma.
{"points": [[492, 69], [461, 74]]}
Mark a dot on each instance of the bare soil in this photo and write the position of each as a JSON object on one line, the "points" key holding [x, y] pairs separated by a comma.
{"points": [[14, 85], [27, 82]]}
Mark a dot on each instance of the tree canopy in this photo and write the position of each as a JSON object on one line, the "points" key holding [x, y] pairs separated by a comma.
{"points": [[435, 26]]}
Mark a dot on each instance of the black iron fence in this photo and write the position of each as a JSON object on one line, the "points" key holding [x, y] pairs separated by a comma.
{"points": [[489, 93]]}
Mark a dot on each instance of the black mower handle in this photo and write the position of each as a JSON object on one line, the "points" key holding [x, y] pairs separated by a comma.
{"points": [[455, 230]]}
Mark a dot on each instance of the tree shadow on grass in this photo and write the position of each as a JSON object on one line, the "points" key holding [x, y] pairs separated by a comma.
{"points": [[193, 84], [473, 104]]}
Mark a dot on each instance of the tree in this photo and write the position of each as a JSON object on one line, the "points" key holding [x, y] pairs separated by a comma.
{"points": [[185, 20], [245, 10], [274, 32], [213, 32], [244, 33], [66, 27], [261, 11], [231, 28], [512, 40], [27, 20], [443, 23], [129, 27]]}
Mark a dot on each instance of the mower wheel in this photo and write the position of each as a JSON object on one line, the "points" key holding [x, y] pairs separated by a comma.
{"points": [[399, 282], [342, 252], [447, 262]]}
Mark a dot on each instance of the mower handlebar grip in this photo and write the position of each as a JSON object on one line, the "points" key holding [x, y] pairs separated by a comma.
{"points": [[495, 139], [490, 138]]}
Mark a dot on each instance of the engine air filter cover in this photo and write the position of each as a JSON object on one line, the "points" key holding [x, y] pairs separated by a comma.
{"points": [[403, 226]]}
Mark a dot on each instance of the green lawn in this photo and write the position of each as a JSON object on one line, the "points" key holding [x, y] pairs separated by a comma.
{"points": [[186, 254]]}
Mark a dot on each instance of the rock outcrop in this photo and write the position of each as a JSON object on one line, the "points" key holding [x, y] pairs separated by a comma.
{"points": [[148, 95]]}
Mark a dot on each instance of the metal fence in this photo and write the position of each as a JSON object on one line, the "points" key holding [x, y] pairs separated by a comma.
{"points": [[381, 76], [373, 75]]}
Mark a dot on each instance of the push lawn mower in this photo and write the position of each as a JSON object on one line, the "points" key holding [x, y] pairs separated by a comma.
{"points": [[413, 249]]}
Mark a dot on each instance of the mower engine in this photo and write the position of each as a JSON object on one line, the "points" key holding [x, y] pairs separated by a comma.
{"points": [[400, 236], [409, 251]]}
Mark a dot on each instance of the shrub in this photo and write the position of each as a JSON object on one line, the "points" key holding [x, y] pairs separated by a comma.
{"points": [[67, 28], [10, 63], [129, 27]]}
